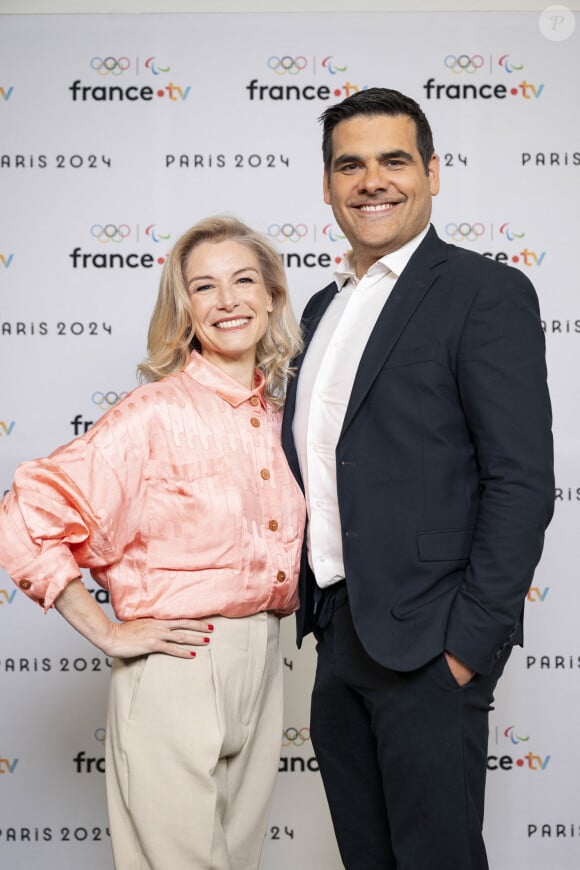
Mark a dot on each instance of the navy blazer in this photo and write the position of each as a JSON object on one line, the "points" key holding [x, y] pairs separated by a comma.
{"points": [[444, 463]]}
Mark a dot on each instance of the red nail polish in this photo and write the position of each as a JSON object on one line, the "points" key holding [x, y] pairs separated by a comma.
{"points": [[192, 654], [210, 628], [206, 640]]}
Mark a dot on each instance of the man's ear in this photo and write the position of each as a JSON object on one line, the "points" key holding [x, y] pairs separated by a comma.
{"points": [[326, 188], [433, 175]]}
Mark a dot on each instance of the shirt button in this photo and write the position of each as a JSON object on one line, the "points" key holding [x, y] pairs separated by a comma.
{"points": [[273, 525], [265, 474], [254, 401], [255, 422], [25, 584], [281, 576]]}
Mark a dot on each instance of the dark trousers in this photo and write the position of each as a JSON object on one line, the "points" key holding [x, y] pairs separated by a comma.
{"points": [[403, 756]]}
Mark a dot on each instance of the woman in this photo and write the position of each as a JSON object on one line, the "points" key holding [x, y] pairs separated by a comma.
{"points": [[180, 502]]}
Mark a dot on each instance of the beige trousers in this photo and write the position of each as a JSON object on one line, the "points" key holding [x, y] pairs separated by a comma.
{"points": [[192, 752]]}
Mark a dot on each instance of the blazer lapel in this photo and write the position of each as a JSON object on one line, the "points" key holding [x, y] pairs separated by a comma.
{"points": [[310, 320], [417, 278]]}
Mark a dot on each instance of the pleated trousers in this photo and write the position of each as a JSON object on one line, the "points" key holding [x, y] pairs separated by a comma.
{"points": [[193, 749]]}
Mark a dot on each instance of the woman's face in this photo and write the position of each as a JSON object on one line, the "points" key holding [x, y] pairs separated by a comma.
{"points": [[229, 302]]}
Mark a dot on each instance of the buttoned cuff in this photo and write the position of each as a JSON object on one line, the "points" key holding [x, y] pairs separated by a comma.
{"points": [[48, 574]]}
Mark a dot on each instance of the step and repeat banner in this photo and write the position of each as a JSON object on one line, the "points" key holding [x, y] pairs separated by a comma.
{"points": [[117, 133]]}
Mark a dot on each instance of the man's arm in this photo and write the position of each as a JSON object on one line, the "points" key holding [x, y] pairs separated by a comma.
{"points": [[503, 390]]}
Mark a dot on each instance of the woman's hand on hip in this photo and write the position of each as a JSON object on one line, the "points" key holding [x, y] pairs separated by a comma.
{"points": [[174, 637]]}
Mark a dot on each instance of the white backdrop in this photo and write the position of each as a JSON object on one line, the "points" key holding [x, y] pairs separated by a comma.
{"points": [[117, 132]]}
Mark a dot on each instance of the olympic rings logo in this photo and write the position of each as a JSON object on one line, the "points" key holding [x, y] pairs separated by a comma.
{"points": [[333, 234], [113, 65], [296, 736], [464, 63], [332, 68], [107, 400], [287, 64], [110, 232], [287, 232], [464, 232]]}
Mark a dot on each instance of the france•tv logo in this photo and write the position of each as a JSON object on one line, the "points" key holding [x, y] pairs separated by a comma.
{"points": [[115, 67], [465, 231], [526, 761], [290, 66], [6, 93], [110, 235], [469, 65]]}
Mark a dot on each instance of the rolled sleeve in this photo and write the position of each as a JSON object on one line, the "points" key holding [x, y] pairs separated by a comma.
{"points": [[48, 528]]}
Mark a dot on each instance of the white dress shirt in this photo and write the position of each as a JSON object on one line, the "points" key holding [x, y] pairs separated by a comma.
{"points": [[323, 392]]}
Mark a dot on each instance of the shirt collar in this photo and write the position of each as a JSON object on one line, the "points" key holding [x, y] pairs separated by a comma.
{"points": [[220, 383], [394, 262]]}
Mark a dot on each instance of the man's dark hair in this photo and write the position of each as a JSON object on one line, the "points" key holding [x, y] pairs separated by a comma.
{"points": [[377, 101]]}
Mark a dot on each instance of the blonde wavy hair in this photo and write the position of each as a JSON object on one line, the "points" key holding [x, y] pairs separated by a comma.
{"points": [[171, 337]]}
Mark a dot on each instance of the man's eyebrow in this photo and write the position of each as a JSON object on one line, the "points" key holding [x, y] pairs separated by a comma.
{"points": [[345, 158], [383, 156], [398, 154]]}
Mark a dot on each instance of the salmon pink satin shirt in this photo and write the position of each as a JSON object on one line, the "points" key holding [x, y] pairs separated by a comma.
{"points": [[179, 501]]}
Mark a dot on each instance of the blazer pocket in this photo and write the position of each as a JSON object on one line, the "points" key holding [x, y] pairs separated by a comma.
{"points": [[408, 356], [447, 546]]}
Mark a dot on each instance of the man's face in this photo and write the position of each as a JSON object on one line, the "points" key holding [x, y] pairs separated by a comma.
{"points": [[377, 185]]}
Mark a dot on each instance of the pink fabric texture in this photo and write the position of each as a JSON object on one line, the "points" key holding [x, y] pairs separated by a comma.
{"points": [[179, 501]]}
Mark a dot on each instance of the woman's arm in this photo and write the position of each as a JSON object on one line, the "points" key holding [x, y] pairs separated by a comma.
{"points": [[173, 637]]}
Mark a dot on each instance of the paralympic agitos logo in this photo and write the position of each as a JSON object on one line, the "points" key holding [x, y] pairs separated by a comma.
{"points": [[466, 72], [114, 239], [287, 73], [113, 73]]}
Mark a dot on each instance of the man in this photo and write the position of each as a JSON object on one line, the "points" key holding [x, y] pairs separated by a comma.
{"points": [[419, 426]]}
